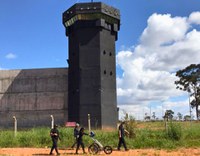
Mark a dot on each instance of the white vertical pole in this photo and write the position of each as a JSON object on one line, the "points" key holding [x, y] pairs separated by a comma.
{"points": [[162, 111], [89, 124], [190, 108], [15, 126], [52, 121], [150, 113]]}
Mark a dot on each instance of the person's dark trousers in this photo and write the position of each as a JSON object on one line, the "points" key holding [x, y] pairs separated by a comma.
{"points": [[54, 146], [122, 141], [76, 140], [78, 145]]}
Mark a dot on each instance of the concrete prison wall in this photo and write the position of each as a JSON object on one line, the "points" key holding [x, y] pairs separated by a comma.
{"points": [[33, 95]]}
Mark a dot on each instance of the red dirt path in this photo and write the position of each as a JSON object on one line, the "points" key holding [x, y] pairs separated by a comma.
{"points": [[134, 152]]}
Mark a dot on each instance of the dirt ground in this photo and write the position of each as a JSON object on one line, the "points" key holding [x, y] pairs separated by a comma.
{"points": [[134, 152]]}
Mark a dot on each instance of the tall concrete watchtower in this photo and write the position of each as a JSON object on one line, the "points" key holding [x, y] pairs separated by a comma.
{"points": [[92, 30]]}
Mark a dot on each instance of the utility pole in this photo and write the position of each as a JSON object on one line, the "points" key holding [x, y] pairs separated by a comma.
{"points": [[150, 112], [162, 110]]}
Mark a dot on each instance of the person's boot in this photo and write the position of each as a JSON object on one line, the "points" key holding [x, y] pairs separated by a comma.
{"points": [[51, 152], [57, 151], [76, 151], [73, 146]]}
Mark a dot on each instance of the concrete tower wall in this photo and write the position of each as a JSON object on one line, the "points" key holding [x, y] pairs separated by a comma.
{"points": [[92, 30], [32, 96]]}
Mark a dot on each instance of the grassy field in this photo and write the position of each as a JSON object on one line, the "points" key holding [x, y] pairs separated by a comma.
{"points": [[146, 135]]}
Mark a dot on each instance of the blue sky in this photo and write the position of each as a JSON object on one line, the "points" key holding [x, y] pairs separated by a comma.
{"points": [[156, 38]]}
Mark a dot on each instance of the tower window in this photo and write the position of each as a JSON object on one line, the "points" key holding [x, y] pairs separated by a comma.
{"points": [[104, 52], [110, 54], [111, 73], [104, 72]]}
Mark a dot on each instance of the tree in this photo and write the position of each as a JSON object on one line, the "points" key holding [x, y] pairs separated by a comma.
{"points": [[147, 117], [168, 114], [130, 124], [154, 115], [189, 81], [187, 117], [180, 116]]}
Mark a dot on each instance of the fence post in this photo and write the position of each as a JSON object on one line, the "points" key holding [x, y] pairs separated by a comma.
{"points": [[89, 124], [52, 121], [15, 126]]}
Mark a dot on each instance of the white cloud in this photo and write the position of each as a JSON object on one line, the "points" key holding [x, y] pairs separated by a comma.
{"points": [[163, 29], [11, 56], [139, 111], [166, 45], [194, 18]]}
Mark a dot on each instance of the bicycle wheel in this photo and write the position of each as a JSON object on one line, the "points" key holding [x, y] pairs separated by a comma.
{"points": [[93, 149], [107, 149]]}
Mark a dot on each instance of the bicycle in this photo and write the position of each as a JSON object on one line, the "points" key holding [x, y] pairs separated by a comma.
{"points": [[96, 146]]}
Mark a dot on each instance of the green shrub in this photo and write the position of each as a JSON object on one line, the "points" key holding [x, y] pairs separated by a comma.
{"points": [[130, 125], [7, 139], [174, 131]]}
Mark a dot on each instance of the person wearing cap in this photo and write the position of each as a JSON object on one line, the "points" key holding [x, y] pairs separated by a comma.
{"points": [[80, 140], [121, 132], [76, 131], [54, 133]]}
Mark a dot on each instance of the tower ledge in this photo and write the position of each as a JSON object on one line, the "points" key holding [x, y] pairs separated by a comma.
{"points": [[91, 11]]}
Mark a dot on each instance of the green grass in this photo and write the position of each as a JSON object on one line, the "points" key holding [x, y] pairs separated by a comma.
{"points": [[147, 135]]}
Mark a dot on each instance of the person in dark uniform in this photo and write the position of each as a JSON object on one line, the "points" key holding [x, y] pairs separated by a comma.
{"points": [[121, 132], [54, 133], [76, 131], [80, 140]]}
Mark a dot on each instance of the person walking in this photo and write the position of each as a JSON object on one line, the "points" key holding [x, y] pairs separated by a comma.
{"points": [[80, 140], [54, 133], [121, 132], [76, 131]]}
